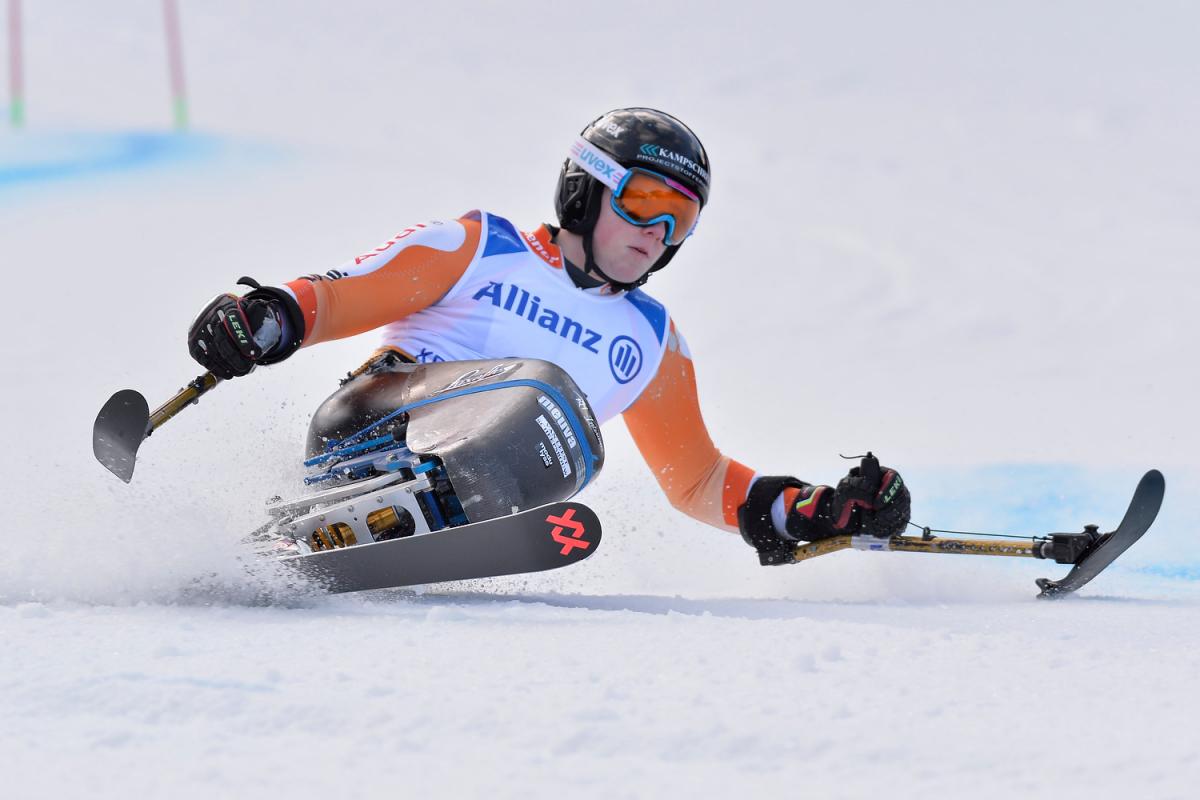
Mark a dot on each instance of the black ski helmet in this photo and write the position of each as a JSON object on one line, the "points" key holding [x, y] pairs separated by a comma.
{"points": [[633, 137]]}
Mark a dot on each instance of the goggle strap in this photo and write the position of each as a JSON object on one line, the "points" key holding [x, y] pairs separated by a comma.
{"points": [[596, 163]]}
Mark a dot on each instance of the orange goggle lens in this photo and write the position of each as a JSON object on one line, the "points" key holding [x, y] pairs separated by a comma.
{"points": [[645, 198]]}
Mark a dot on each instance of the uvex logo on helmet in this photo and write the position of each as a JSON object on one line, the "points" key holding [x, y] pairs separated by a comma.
{"points": [[586, 156]]}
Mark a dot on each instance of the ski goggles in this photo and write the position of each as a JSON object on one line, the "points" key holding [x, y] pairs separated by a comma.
{"points": [[641, 196]]}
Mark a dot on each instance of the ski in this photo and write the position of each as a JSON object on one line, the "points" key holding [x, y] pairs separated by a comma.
{"points": [[543, 538], [1143, 509]]}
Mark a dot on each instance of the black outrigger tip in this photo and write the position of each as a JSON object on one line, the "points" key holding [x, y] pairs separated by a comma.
{"points": [[119, 430], [1147, 499]]}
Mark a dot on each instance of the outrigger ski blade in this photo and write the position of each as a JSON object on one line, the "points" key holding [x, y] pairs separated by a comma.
{"points": [[118, 432], [1147, 499], [125, 421]]}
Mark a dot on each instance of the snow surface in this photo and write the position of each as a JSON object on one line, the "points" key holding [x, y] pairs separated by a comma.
{"points": [[991, 212]]}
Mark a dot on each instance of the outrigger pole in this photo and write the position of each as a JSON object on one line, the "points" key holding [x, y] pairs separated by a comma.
{"points": [[1089, 551], [126, 421], [928, 543]]}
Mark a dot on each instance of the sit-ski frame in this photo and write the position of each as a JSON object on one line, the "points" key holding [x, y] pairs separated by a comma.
{"points": [[125, 422]]}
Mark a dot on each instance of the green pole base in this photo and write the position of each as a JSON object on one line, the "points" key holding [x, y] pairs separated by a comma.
{"points": [[181, 114]]}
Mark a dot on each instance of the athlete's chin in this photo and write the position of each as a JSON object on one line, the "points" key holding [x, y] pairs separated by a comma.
{"points": [[629, 265], [637, 264], [630, 274]]}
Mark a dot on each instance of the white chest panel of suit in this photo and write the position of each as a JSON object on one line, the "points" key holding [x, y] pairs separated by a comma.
{"points": [[515, 300]]}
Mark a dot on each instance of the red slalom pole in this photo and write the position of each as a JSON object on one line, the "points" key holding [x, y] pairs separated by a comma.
{"points": [[175, 64], [16, 103]]}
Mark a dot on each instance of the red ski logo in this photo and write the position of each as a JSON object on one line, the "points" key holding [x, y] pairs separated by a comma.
{"points": [[568, 541]]}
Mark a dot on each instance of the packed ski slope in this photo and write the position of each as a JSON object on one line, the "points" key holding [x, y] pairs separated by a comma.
{"points": [[990, 214]]}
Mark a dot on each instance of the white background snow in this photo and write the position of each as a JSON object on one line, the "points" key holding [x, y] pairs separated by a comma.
{"points": [[964, 237]]}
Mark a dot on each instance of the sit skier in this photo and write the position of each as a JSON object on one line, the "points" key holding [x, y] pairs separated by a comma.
{"points": [[628, 196]]}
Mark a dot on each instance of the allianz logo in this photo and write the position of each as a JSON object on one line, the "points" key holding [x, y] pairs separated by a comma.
{"points": [[515, 300]]}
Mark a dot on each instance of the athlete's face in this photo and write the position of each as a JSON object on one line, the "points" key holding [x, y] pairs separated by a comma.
{"points": [[623, 250]]}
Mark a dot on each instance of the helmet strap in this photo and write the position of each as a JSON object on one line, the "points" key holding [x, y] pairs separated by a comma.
{"points": [[579, 277]]}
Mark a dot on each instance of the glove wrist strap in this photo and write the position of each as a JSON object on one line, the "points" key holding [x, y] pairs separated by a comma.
{"points": [[292, 319]]}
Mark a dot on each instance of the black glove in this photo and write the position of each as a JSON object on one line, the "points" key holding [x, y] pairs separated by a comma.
{"points": [[233, 333], [871, 500]]}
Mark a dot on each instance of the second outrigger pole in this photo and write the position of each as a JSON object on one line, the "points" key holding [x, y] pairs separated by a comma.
{"points": [[1090, 551]]}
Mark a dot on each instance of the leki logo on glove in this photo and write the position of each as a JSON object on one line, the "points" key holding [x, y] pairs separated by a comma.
{"points": [[568, 541], [890, 492], [235, 327]]}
